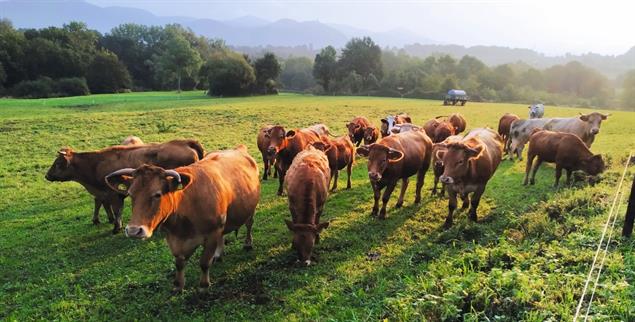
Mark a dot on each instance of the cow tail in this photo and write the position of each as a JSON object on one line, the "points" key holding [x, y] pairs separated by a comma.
{"points": [[196, 146]]}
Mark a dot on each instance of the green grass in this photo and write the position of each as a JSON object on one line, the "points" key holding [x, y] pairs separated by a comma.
{"points": [[526, 258]]}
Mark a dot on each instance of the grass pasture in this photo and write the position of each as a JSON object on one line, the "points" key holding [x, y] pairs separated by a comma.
{"points": [[526, 258]]}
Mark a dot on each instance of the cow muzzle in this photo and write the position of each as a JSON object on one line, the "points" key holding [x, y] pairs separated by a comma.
{"points": [[137, 232], [271, 151], [447, 180], [595, 131], [374, 176]]}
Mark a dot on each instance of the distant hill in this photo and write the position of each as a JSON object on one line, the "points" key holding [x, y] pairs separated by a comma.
{"points": [[288, 37]]}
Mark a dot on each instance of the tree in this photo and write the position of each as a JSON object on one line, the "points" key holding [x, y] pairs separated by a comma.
{"points": [[106, 74], [177, 60], [325, 66], [362, 56], [229, 74], [628, 90], [11, 54], [267, 70], [297, 74]]}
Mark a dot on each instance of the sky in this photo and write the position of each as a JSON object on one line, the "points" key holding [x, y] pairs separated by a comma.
{"points": [[553, 27]]}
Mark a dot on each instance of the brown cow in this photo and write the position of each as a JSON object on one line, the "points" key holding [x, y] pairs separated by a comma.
{"points": [[286, 145], [458, 121], [504, 125], [443, 130], [371, 134], [431, 125], [395, 157], [90, 168], [132, 140], [268, 159], [307, 184], [566, 150], [469, 164], [195, 205], [438, 150], [341, 154], [356, 129], [390, 121]]}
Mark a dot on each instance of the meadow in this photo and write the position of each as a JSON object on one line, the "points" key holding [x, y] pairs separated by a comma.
{"points": [[526, 258]]}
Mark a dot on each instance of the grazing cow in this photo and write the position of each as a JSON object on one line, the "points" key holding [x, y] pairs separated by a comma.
{"points": [[320, 129], [286, 145], [395, 157], [469, 164], [458, 121], [520, 131], [341, 154], [90, 168], [398, 128], [195, 205], [371, 134], [132, 140], [438, 150], [268, 159], [390, 121], [356, 129], [536, 111], [307, 184], [585, 126], [504, 124], [566, 150]]}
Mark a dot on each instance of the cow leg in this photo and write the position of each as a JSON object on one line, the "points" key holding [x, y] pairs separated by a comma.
{"points": [[265, 173], [377, 194], [442, 193], [530, 162], [421, 175], [384, 199], [466, 200], [451, 208], [558, 175], [109, 213], [281, 175], [248, 239], [210, 250], [434, 186], [476, 199], [349, 171], [96, 211], [117, 207], [534, 170], [568, 177], [404, 186], [273, 165], [334, 176]]}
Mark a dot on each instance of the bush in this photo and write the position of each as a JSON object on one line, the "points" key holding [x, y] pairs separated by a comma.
{"points": [[106, 74], [74, 86], [40, 88], [229, 74]]}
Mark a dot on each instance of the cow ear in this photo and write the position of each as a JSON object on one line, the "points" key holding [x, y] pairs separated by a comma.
{"points": [[289, 224], [584, 117], [119, 183], [322, 226], [174, 185], [474, 152], [440, 154], [363, 150], [605, 116], [384, 121], [290, 133], [395, 129], [395, 155]]}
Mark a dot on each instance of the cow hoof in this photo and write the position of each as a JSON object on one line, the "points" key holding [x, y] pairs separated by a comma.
{"points": [[465, 205], [111, 220], [399, 205], [177, 290], [96, 222], [116, 230], [447, 225], [217, 259], [248, 247], [374, 213], [418, 200]]}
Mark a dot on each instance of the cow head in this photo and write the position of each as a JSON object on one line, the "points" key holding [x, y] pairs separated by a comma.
{"points": [[443, 131], [536, 111], [152, 190], [370, 135], [353, 129], [594, 120], [277, 139], [593, 165], [62, 168], [321, 145], [379, 156], [304, 237], [387, 124], [457, 159]]}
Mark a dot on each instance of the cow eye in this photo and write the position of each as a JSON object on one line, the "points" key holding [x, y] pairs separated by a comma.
{"points": [[460, 161], [156, 195]]}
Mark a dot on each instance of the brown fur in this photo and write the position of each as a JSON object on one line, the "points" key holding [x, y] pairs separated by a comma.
{"points": [[442, 131], [132, 140], [566, 150], [263, 140], [90, 168], [430, 126], [504, 125], [371, 134], [341, 154], [199, 210], [356, 128], [401, 118], [438, 150], [396, 157], [458, 121], [468, 166], [307, 183]]}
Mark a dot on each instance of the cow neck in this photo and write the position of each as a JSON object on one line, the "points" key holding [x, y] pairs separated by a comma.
{"points": [[86, 164], [168, 207]]}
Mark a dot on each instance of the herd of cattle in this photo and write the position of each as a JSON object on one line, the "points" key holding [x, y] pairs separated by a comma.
{"points": [[197, 198]]}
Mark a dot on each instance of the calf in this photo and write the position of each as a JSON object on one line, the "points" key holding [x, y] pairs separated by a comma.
{"points": [[263, 140], [504, 124], [390, 121], [586, 127], [396, 157], [341, 154], [520, 131], [90, 168], [371, 134], [566, 150], [469, 164], [438, 150], [195, 205], [307, 184], [286, 145], [458, 121], [356, 129], [536, 111]]}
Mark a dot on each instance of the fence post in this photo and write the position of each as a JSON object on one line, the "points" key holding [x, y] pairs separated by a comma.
{"points": [[627, 229]]}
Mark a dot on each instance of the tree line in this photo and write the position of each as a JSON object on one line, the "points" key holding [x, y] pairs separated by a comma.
{"points": [[75, 60]]}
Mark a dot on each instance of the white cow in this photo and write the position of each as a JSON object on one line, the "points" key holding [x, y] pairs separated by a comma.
{"points": [[536, 111], [520, 131], [585, 126]]}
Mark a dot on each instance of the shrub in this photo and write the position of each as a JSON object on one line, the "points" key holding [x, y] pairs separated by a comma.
{"points": [[74, 86], [229, 74], [106, 74], [40, 88]]}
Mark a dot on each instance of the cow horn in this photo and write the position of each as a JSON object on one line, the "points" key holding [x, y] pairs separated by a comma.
{"points": [[61, 152], [172, 173], [126, 171]]}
